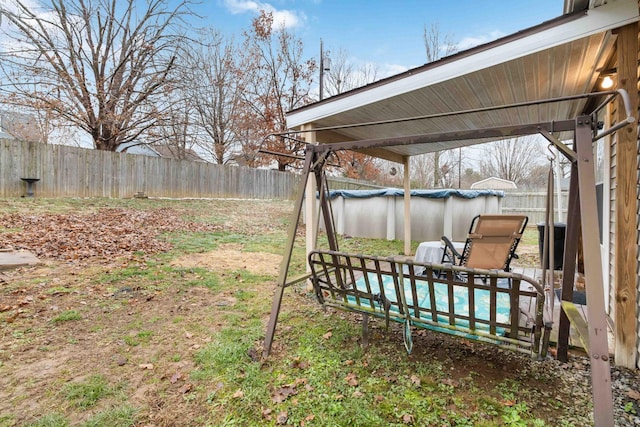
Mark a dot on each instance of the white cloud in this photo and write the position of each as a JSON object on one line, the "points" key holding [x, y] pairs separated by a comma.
{"points": [[469, 42], [286, 18], [240, 6], [388, 70]]}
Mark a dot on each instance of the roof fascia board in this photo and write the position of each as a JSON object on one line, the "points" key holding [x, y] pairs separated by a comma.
{"points": [[612, 15]]}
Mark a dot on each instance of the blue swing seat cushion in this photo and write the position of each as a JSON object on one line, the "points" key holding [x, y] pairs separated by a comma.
{"points": [[460, 303]]}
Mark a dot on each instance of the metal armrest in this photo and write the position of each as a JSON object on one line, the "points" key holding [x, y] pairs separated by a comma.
{"points": [[450, 252]]}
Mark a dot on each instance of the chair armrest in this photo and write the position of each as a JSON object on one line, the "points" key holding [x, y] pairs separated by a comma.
{"points": [[450, 252]]}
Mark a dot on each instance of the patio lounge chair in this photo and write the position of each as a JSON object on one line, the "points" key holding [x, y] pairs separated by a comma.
{"points": [[491, 243]]}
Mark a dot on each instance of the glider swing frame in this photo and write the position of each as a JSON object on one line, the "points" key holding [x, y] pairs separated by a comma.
{"points": [[582, 206]]}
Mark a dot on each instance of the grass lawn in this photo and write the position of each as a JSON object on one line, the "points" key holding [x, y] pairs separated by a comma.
{"points": [[153, 313]]}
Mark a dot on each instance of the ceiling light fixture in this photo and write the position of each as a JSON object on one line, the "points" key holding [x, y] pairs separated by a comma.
{"points": [[607, 82]]}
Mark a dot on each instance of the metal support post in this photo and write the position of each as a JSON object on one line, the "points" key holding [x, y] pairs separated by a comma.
{"points": [[572, 237], [598, 347], [286, 259]]}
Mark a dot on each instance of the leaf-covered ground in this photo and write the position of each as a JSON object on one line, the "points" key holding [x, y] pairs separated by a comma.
{"points": [[108, 233]]}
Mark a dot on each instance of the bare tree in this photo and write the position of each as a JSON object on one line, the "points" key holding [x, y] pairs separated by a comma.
{"points": [[422, 171], [175, 133], [98, 64], [213, 83], [512, 159], [437, 46], [344, 75], [425, 174], [280, 83]]}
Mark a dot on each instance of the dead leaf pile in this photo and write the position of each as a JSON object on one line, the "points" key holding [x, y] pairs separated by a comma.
{"points": [[107, 233]]}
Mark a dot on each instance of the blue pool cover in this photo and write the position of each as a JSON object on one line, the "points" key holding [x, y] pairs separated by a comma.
{"points": [[429, 194]]}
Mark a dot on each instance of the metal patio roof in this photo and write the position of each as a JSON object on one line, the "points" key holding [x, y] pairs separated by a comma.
{"points": [[563, 57]]}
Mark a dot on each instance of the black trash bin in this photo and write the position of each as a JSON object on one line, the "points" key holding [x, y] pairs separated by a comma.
{"points": [[559, 229]]}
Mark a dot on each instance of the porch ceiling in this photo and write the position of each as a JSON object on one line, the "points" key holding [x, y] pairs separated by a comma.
{"points": [[559, 58]]}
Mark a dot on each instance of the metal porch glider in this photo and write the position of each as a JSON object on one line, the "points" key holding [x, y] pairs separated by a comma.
{"points": [[583, 216]]}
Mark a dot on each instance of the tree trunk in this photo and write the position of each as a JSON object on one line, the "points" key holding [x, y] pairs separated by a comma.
{"points": [[436, 169]]}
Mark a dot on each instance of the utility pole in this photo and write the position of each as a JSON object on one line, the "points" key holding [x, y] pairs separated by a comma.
{"points": [[324, 66], [321, 71], [459, 166]]}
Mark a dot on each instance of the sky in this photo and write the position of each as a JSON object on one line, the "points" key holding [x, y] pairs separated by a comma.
{"points": [[383, 32]]}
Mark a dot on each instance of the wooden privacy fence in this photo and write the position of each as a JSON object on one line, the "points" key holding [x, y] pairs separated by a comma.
{"points": [[65, 171]]}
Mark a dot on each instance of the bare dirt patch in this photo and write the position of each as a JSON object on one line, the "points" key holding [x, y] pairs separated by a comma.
{"points": [[229, 257]]}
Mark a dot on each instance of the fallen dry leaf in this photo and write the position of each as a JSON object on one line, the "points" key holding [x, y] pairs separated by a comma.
{"points": [[26, 300], [299, 381], [508, 402], [299, 364], [238, 394], [283, 393], [282, 418], [633, 394], [13, 317], [186, 388], [351, 379], [407, 419], [278, 398], [415, 380], [450, 382], [176, 377], [327, 335], [146, 366], [266, 413]]}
